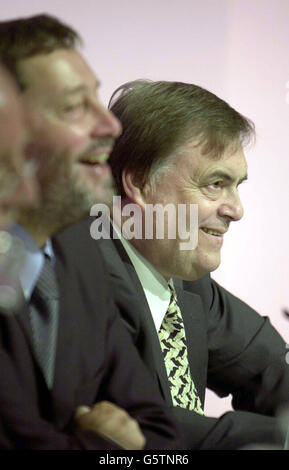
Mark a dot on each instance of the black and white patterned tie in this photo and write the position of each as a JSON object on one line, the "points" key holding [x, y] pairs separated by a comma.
{"points": [[44, 319], [174, 346]]}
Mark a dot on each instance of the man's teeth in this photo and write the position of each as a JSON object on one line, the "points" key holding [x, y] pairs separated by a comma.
{"points": [[102, 158], [211, 232], [97, 159]]}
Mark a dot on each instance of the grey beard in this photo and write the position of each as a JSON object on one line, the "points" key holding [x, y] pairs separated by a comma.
{"points": [[61, 207], [56, 213], [63, 200]]}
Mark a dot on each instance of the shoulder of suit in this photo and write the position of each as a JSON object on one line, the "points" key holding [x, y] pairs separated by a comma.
{"points": [[75, 241]]}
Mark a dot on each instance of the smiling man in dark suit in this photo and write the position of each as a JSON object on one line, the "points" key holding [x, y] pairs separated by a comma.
{"points": [[71, 377], [182, 145]]}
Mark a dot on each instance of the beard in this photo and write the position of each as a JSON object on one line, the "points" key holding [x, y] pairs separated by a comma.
{"points": [[64, 198]]}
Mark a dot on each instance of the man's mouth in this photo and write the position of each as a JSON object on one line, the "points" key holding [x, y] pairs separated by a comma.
{"points": [[211, 232], [95, 165], [98, 158], [214, 232]]}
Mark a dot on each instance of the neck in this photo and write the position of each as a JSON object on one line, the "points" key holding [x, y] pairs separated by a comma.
{"points": [[148, 248], [36, 229]]}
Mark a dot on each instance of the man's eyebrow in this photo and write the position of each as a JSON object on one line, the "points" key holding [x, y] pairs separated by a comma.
{"points": [[80, 89], [223, 174]]}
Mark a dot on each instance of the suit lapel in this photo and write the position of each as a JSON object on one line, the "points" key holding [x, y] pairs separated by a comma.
{"points": [[66, 346], [34, 379], [134, 309], [22, 316]]}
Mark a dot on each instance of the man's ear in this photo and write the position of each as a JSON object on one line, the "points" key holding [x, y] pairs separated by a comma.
{"points": [[131, 189]]}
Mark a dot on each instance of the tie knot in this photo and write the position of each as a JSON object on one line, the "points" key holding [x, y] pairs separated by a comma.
{"points": [[46, 286]]}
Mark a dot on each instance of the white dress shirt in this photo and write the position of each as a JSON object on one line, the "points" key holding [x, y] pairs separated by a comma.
{"points": [[155, 286], [33, 260]]}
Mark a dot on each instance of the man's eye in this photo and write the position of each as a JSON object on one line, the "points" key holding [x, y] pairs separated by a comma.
{"points": [[71, 107], [74, 110], [217, 185]]}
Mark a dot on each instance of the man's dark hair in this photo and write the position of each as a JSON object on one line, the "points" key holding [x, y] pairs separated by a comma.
{"points": [[159, 117], [27, 37]]}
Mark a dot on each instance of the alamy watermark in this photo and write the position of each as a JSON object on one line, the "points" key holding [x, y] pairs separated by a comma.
{"points": [[160, 222]]}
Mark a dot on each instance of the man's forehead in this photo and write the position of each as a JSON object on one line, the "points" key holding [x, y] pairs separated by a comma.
{"points": [[64, 69], [232, 164]]}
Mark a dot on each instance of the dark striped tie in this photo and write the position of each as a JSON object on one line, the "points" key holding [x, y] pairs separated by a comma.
{"points": [[174, 346], [44, 319]]}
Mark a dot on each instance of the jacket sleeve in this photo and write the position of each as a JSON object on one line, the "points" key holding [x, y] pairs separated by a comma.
{"points": [[21, 426], [246, 353], [128, 383]]}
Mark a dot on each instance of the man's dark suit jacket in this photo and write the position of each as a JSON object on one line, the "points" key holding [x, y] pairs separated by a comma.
{"points": [[231, 350], [95, 360]]}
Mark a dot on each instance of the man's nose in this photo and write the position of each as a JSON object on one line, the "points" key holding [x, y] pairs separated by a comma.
{"points": [[232, 207], [105, 123]]}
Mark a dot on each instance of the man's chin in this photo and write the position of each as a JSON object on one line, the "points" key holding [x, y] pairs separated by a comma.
{"points": [[202, 269], [211, 267]]}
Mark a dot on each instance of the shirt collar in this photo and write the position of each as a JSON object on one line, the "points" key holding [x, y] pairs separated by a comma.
{"points": [[33, 260], [155, 286]]}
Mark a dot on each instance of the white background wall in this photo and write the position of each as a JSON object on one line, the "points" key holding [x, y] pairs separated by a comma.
{"points": [[239, 50]]}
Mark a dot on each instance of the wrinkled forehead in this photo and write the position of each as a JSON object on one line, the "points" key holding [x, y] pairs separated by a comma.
{"points": [[191, 156]]}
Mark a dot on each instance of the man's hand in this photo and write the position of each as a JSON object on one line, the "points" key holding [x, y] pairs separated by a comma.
{"points": [[112, 422]]}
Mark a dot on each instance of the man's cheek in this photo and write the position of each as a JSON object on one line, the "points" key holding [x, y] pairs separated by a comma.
{"points": [[74, 140], [59, 135]]}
